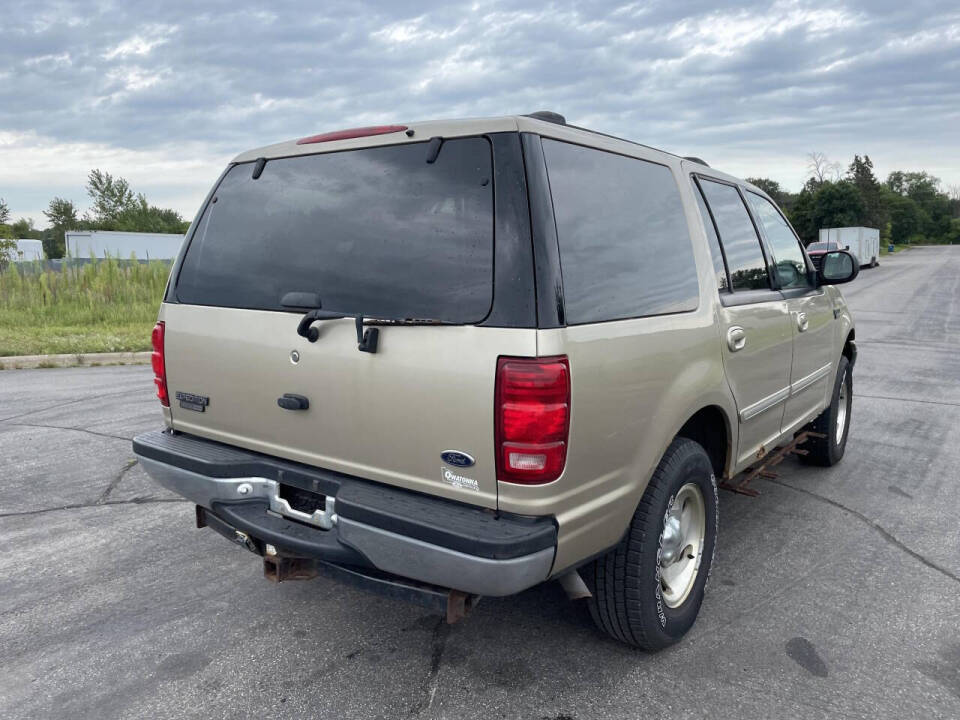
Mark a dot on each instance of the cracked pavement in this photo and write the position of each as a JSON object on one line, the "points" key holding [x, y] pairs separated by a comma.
{"points": [[834, 594]]}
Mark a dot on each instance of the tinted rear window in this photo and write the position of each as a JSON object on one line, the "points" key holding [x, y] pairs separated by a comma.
{"points": [[625, 249], [376, 231]]}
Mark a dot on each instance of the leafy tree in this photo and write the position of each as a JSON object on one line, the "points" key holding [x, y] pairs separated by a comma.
{"points": [[824, 205], [110, 196], [875, 212], [117, 207], [143, 217], [24, 228], [781, 197], [4, 212], [62, 215], [907, 220], [935, 210], [953, 236]]}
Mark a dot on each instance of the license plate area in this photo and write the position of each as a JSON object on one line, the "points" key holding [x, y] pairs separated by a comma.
{"points": [[304, 506]]}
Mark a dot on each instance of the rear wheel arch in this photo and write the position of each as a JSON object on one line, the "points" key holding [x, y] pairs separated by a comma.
{"points": [[710, 427]]}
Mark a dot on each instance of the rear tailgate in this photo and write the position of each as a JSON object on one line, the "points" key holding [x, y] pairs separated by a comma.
{"points": [[386, 416], [380, 232]]}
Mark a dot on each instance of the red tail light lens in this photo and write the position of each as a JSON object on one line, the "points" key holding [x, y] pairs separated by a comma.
{"points": [[159, 364], [352, 133], [532, 418]]}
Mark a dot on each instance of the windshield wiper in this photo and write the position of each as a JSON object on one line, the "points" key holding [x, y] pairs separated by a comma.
{"points": [[302, 301], [366, 341]]}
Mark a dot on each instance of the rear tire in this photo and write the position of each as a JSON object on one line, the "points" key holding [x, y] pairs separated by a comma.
{"points": [[834, 422], [648, 590]]}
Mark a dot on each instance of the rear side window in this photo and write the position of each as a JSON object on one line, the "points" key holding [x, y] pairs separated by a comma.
{"points": [[791, 266], [376, 231], [625, 249], [748, 269]]}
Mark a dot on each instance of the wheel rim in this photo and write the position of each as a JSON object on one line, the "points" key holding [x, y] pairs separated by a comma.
{"points": [[842, 412], [681, 545]]}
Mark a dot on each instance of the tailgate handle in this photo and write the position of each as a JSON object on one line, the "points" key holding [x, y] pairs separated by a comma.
{"points": [[289, 401]]}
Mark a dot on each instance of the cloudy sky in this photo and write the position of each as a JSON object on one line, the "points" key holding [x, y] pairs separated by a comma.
{"points": [[165, 95]]}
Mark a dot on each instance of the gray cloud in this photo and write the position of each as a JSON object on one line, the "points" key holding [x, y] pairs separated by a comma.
{"points": [[167, 95]]}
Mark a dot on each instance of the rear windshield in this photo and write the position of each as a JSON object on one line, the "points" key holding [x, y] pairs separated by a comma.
{"points": [[377, 231], [820, 246]]}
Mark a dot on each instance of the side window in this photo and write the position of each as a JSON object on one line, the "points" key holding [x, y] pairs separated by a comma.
{"points": [[719, 267], [788, 257], [748, 270], [625, 248]]}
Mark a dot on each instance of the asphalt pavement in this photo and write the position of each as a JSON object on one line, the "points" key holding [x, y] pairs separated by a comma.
{"points": [[836, 593]]}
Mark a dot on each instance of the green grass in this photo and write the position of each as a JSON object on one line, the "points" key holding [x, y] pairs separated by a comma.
{"points": [[105, 306]]}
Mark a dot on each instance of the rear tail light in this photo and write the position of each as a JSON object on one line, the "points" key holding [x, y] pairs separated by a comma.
{"points": [[159, 364], [352, 133], [532, 418]]}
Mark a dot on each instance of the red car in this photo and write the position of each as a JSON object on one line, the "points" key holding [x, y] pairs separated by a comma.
{"points": [[816, 251]]}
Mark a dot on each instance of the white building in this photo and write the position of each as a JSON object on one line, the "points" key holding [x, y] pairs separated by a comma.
{"points": [[27, 250], [100, 243]]}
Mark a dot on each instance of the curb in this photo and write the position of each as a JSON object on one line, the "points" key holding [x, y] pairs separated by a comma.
{"points": [[23, 362]]}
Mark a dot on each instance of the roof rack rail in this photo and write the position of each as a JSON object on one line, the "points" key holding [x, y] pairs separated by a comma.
{"points": [[548, 116], [694, 158]]}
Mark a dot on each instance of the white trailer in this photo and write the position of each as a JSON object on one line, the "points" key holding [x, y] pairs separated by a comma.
{"points": [[863, 242], [100, 243], [27, 250]]}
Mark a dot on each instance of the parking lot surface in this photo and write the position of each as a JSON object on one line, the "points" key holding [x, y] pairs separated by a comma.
{"points": [[836, 593]]}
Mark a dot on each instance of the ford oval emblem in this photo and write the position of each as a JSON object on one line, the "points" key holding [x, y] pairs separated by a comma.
{"points": [[457, 458]]}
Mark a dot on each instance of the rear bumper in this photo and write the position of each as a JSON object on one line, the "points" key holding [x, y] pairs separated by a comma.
{"points": [[360, 523]]}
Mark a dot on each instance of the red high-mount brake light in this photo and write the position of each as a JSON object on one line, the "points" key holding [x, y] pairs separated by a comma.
{"points": [[159, 364], [352, 133], [532, 418]]}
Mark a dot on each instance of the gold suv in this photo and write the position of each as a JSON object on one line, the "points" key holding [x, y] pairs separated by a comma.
{"points": [[459, 358]]}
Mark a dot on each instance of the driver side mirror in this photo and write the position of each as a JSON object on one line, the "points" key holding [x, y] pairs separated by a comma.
{"points": [[837, 267]]}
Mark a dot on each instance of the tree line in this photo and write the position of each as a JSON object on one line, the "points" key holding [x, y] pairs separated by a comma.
{"points": [[114, 206], [908, 207]]}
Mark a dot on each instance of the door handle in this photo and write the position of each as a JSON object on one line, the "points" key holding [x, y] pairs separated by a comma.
{"points": [[736, 338], [290, 401], [802, 323]]}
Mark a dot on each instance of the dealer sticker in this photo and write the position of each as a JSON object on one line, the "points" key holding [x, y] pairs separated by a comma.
{"points": [[460, 481]]}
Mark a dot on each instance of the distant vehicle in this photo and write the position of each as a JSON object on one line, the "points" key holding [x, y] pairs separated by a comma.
{"points": [[100, 243], [817, 250], [539, 348], [863, 242]]}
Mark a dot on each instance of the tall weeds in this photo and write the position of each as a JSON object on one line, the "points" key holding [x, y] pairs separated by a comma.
{"points": [[79, 299]]}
